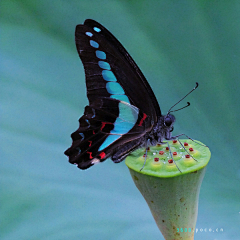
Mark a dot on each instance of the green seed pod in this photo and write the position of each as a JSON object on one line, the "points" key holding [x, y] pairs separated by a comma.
{"points": [[172, 195]]}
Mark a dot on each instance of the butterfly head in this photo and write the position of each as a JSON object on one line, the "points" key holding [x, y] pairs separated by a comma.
{"points": [[163, 129], [169, 119], [168, 122]]}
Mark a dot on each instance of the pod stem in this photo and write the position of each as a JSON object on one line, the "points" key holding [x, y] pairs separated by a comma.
{"points": [[172, 196], [172, 201]]}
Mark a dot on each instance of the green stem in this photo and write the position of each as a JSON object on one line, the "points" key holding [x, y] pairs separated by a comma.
{"points": [[172, 196]]}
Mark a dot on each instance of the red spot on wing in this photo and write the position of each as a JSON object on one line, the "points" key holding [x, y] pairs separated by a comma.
{"points": [[93, 132], [90, 143], [104, 124], [90, 155], [143, 118], [102, 155]]}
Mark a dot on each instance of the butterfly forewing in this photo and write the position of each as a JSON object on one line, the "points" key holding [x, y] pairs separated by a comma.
{"points": [[122, 107], [107, 65]]}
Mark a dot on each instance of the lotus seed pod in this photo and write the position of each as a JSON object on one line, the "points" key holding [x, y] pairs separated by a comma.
{"points": [[170, 181]]}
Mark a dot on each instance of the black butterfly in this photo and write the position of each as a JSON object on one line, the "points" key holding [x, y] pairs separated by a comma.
{"points": [[123, 113]]}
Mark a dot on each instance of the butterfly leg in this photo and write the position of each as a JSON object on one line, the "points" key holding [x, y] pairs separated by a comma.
{"points": [[186, 149], [176, 137], [183, 134], [170, 151], [144, 160], [146, 145], [172, 157]]}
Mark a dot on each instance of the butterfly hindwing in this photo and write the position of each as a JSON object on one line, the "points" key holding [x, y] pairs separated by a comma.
{"points": [[103, 127]]}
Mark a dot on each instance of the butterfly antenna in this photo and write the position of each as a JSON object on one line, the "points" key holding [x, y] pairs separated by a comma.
{"points": [[188, 103]]}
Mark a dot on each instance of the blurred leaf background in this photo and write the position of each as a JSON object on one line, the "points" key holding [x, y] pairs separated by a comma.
{"points": [[42, 94]]}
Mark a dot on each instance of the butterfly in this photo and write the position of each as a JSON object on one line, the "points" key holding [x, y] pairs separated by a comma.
{"points": [[123, 113]]}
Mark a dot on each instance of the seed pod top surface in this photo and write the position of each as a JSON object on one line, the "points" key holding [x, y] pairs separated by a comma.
{"points": [[183, 157]]}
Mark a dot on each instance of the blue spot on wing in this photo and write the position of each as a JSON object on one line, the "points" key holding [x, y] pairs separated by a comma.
{"points": [[94, 44], [114, 88], [89, 34], [104, 65], [96, 29], [79, 150], [82, 135], [94, 113], [101, 54], [108, 76]]}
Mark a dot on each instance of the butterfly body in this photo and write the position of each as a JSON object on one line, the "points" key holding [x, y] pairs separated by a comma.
{"points": [[123, 113]]}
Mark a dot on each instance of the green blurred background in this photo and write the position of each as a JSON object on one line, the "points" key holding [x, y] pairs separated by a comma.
{"points": [[42, 92]]}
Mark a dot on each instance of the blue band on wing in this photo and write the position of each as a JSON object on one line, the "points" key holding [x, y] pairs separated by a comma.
{"points": [[109, 140], [114, 88], [128, 115], [123, 98], [109, 76]]}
